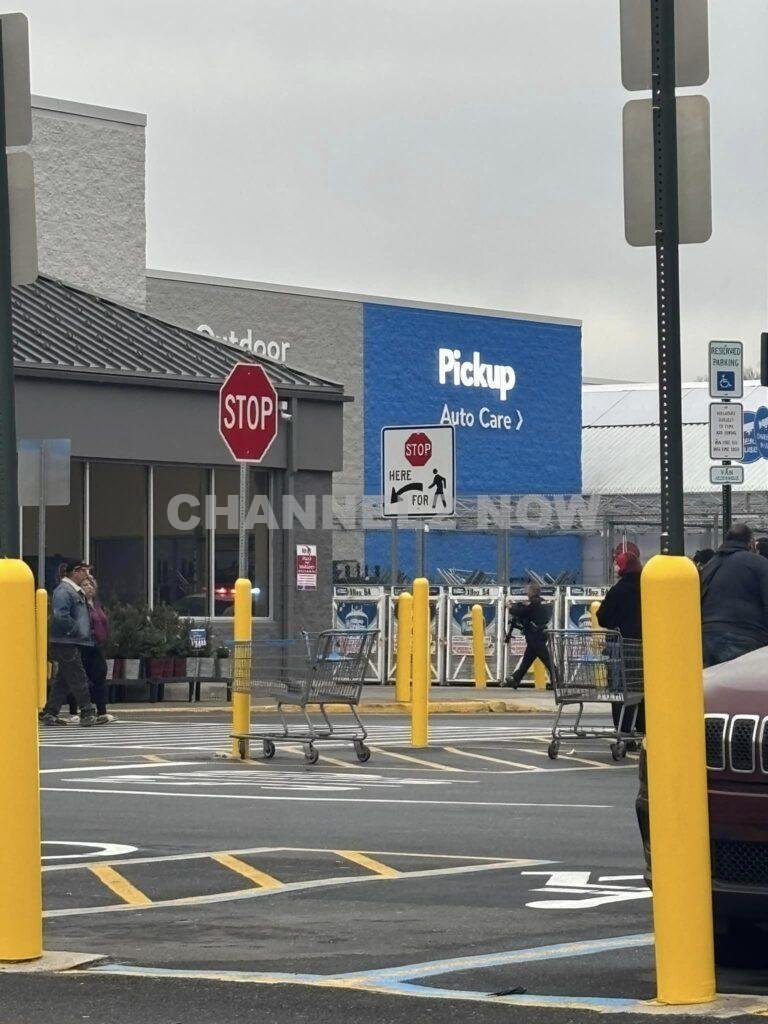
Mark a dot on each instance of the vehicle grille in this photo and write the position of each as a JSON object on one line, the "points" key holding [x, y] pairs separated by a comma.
{"points": [[715, 736], [740, 863], [742, 743], [736, 743]]}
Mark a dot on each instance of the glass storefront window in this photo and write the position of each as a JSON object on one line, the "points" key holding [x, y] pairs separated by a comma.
{"points": [[64, 536], [227, 484], [118, 530], [181, 561]]}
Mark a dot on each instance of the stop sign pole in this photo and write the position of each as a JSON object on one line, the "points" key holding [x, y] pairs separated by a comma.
{"points": [[248, 418]]}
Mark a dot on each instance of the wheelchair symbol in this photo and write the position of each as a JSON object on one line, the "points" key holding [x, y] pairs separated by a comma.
{"points": [[726, 381]]}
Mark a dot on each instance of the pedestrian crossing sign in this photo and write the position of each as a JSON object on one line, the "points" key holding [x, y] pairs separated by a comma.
{"points": [[418, 471]]}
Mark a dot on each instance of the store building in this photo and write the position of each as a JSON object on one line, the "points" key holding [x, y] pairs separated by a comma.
{"points": [[509, 382]]}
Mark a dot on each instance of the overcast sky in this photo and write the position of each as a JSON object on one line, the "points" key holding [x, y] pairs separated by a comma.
{"points": [[457, 151]]}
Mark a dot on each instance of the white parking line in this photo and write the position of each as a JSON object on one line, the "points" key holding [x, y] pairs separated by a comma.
{"points": [[357, 800], [117, 767]]}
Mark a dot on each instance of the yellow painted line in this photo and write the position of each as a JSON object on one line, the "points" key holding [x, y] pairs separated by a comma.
{"points": [[341, 764], [119, 885], [323, 757], [494, 760], [256, 892], [156, 758], [567, 757], [417, 760], [368, 862], [260, 878]]}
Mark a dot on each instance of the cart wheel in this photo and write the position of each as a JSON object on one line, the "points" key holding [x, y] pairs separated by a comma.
{"points": [[311, 754], [242, 749], [618, 750], [553, 749], [269, 750], [363, 752]]}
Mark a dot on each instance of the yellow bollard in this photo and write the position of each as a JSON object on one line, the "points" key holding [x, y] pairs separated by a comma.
{"points": [[241, 674], [478, 645], [404, 644], [21, 910], [420, 674], [674, 701], [41, 645], [539, 675]]}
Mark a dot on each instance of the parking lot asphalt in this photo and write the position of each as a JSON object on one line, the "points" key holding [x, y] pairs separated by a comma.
{"points": [[476, 873]]}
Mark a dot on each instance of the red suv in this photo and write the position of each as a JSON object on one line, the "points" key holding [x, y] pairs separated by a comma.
{"points": [[736, 704]]}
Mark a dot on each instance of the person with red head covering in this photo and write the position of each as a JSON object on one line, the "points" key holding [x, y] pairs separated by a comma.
{"points": [[620, 610]]}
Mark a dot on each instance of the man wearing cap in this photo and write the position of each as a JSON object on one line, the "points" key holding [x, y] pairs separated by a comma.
{"points": [[70, 632]]}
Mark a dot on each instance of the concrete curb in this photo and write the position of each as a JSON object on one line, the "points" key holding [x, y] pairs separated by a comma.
{"points": [[51, 962], [436, 707]]}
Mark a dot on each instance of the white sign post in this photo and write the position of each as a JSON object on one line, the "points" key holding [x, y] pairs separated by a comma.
{"points": [[418, 471], [726, 369], [726, 431], [726, 419], [725, 476]]}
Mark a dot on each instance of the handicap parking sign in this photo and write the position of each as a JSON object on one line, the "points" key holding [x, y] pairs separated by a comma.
{"points": [[726, 380]]}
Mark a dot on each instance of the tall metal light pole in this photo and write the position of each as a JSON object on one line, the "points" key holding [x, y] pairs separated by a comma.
{"points": [[667, 274], [9, 499]]}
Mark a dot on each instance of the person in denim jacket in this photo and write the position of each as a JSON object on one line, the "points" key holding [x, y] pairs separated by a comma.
{"points": [[70, 633]]}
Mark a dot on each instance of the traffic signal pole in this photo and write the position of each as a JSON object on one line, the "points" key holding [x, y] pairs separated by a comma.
{"points": [[9, 498]]}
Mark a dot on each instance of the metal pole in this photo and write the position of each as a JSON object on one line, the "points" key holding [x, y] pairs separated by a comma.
{"points": [[288, 535], [727, 507], [394, 562], [421, 554], [41, 521], [242, 546], [501, 538], [667, 274], [9, 497]]}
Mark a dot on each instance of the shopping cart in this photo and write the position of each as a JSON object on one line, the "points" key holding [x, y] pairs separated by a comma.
{"points": [[316, 669], [596, 667]]}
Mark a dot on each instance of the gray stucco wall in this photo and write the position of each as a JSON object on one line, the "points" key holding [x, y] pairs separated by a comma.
{"points": [[89, 191], [153, 424], [324, 337]]}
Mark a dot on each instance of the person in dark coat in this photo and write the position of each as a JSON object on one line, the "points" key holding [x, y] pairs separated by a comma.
{"points": [[621, 610], [734, 599], [703, 556], [531, 618]]}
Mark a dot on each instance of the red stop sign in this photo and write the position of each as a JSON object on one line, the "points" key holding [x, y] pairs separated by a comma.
{"points": [[248, 412], [418, 449]]}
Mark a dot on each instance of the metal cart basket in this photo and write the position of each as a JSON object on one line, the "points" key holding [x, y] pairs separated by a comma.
{"points": [[317, 669], [596, 667]]}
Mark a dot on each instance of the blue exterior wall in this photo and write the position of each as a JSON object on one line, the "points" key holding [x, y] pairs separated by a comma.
{"points": [[520, 439]]}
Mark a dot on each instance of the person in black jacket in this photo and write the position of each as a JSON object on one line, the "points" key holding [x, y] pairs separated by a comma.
{"points": [[532, 619], [620, 609], [734, 599]]}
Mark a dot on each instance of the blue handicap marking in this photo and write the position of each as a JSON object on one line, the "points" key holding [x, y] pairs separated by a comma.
{"points": [[726, 380]]}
